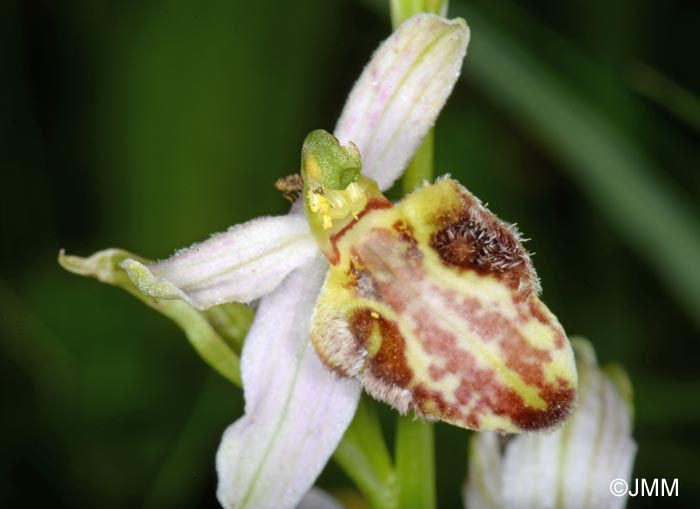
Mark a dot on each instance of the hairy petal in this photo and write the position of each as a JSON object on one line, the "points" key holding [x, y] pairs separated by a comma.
{"points": [[296, 409], [240, 265], [570, 468], [401, 92]]}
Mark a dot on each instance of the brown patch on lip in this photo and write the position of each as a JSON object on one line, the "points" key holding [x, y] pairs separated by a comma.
{"points": [[389, 364], [470, 237], [560, 403], [436, 373]]}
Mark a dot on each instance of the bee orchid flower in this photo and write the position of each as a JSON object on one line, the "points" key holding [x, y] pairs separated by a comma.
{"points": [[431, 305], [296, 409]]}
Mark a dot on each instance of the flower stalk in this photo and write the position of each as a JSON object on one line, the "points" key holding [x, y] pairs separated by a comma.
{"points": [[364, 457], [415, 463], [415, 439]]}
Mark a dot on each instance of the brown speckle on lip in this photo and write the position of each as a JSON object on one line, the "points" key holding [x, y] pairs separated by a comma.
{"points": [[389, 364], [473, 238], [560, 403]]}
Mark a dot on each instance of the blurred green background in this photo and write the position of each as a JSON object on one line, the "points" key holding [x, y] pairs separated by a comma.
{"points": [[150, 125]]}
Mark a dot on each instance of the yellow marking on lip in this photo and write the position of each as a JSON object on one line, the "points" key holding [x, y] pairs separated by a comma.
{"points": [[374, 314], [374, 342], [539, 335]]}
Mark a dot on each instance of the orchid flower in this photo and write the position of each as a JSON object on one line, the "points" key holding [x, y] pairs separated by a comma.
{"points": [[296, 410], [431, 305], [576, 466]]}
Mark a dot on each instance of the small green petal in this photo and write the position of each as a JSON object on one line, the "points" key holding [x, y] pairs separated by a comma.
{"points": [[149, 284]]}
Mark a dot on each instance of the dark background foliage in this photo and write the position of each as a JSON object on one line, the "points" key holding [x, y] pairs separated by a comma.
{"points": [[149, 125]]}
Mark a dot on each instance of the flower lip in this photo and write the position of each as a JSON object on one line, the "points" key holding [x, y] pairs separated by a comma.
{"points": [[463, 344]]}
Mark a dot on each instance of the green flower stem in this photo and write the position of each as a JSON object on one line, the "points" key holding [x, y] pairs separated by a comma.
{"points": [[364, 457], [415, 442], [415, 464], [415, 449], [421, 166], [401, 10], [362, 453]]}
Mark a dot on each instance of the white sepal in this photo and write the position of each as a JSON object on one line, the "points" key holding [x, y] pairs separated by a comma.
{"points": [[400, 93], [296, 410], [239, 265]]}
